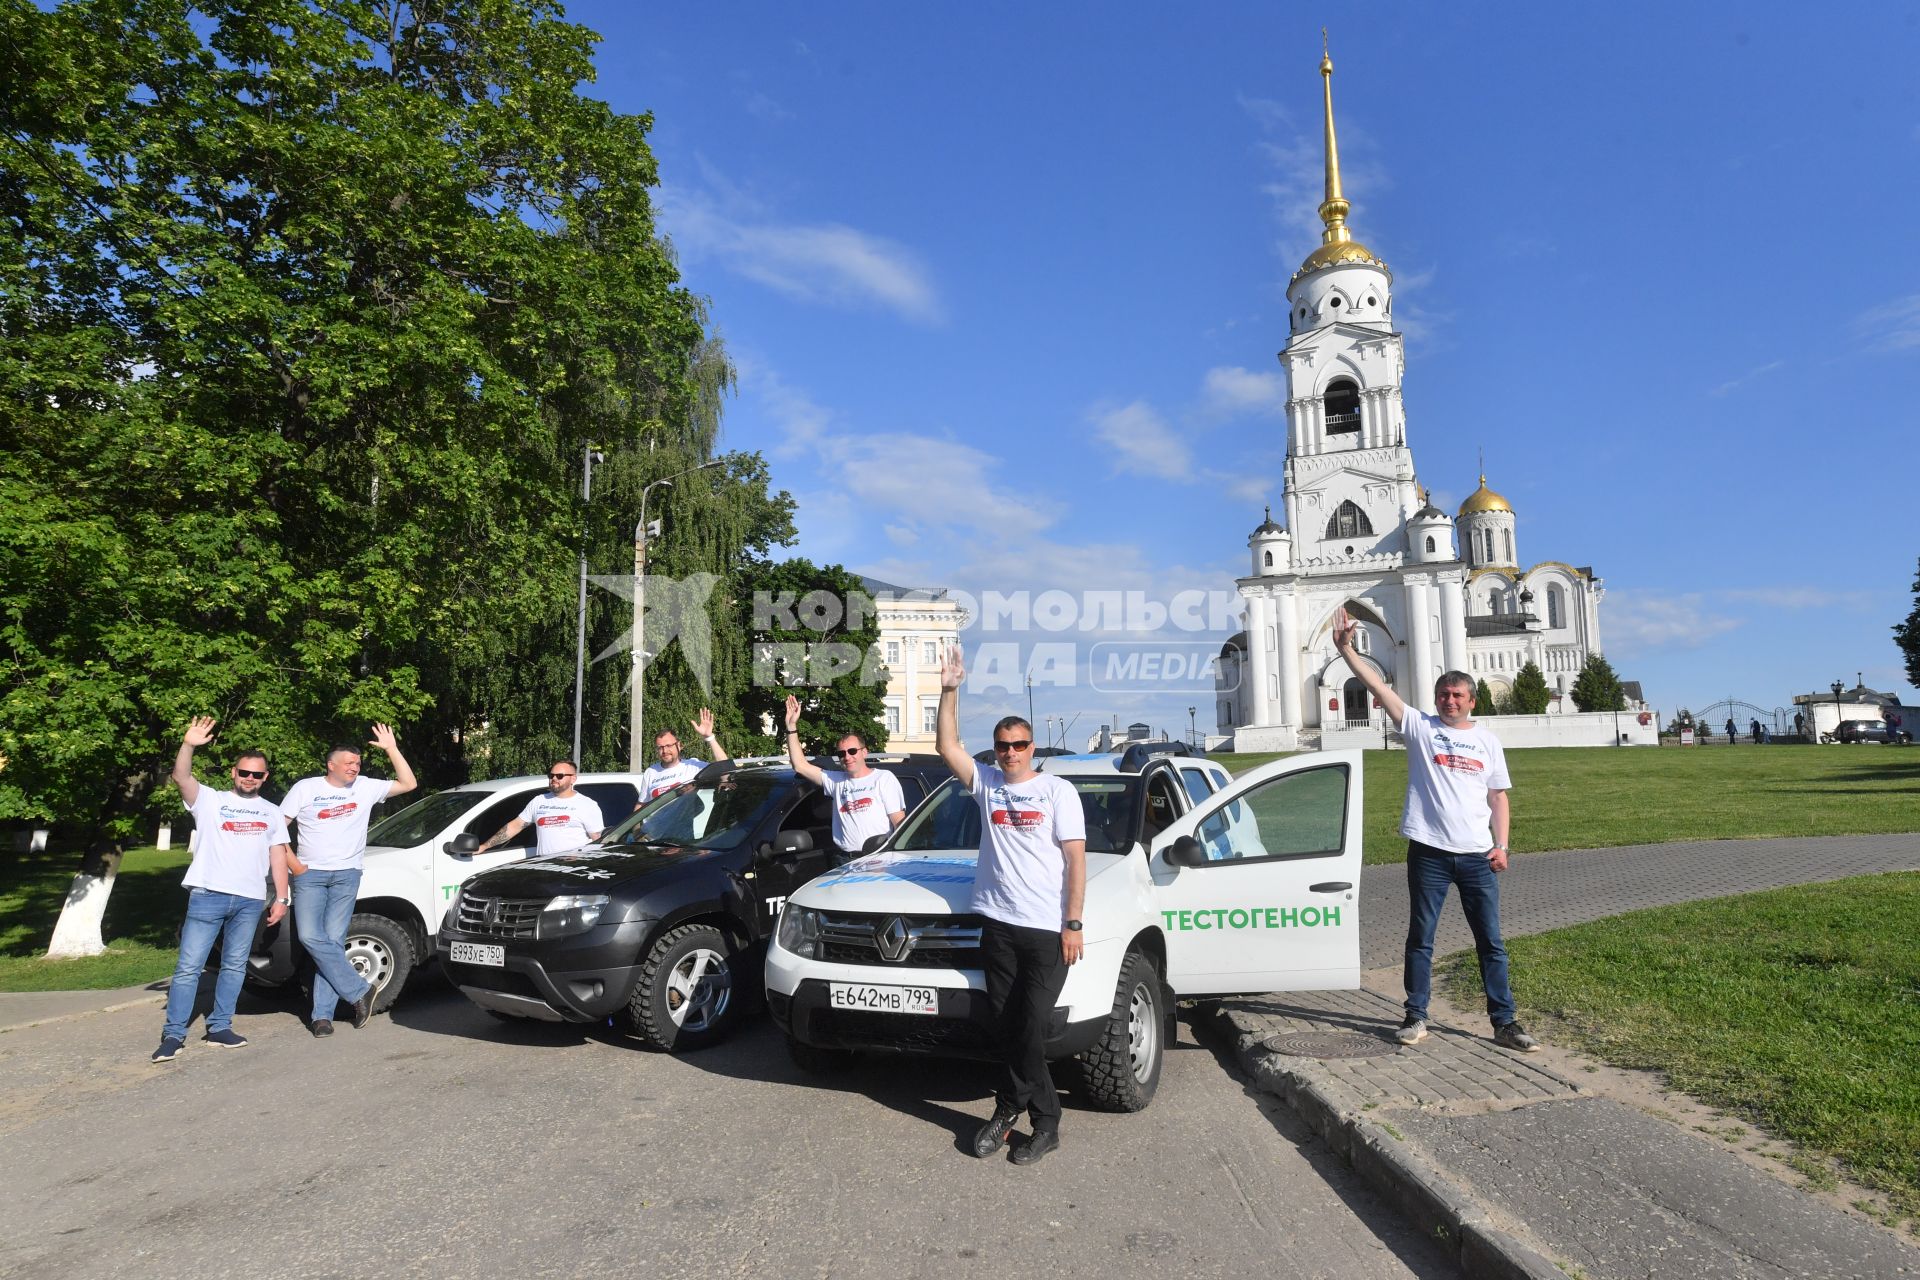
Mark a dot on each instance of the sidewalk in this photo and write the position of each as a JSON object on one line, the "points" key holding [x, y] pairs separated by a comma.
{"points": [[21, 1009], [1520, 1170]]}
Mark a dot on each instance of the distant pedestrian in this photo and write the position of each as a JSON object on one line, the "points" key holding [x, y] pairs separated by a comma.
{"points": [[242, 842], [1799, 725], [1029, 886], [673, 768], [1730, 738], [562, 819], [866, 802], [330, 815], [1456, 807], [1754, 727]]}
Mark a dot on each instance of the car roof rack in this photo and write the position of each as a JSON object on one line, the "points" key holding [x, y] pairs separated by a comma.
{"points": [[1135, 757]]}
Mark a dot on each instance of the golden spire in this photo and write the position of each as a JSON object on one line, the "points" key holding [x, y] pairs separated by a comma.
{"points": [[1333, 210]]}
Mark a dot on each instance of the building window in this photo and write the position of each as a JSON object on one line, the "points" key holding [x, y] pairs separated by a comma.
{"points": [[1343, 405], [1269, 559], [893, 653], [929, 652], [1349, 521], [1554, 607], [893, 717], [1429, 544], [929, 717], [1488, 535], [1508, 535]]}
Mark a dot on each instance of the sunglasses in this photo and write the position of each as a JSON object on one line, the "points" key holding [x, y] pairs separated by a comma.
{"points": [[250, 773], [1010, 744], [850, 751], [562, 775]]}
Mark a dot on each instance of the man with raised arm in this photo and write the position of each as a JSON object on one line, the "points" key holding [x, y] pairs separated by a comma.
{"points": [[1456, 822], [562, 818], [240, 840], [673, 768], [1029, 884], [867, 802], [330, 815]]}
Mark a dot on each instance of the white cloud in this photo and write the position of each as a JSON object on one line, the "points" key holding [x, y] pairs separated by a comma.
{"points": [[925, 474], [1637, 622], [1892, 326], [1241, 486], [1799, 597], [1141, 441], [827, 263], [803, 420], [1734, 384], [761, 107], [902, 534], [1298, 158], [1229, 390]]}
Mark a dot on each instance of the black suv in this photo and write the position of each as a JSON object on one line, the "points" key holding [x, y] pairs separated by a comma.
{"points": [[1869, 731], [662, 924]]}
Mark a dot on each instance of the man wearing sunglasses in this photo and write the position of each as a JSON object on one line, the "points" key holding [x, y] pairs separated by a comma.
{"points": [[866, 802], [562, 819], [674, 768], [240, 841], [329, 814], [1029, 884]]}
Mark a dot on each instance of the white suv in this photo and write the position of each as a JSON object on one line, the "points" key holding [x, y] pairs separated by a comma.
{"points": [[1197, 884]]}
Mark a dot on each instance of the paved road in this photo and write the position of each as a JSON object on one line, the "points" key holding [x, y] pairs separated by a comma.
{"points": [[441, 1139], [1541, 891]]}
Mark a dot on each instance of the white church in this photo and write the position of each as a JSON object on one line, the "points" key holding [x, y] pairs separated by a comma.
{"points": [[1361, 532]]}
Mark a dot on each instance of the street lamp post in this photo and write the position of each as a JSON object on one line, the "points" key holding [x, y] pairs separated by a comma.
{"points": [[636, 705], [1837, 687], [580, 650], [1193, 739], [1029, 699]]}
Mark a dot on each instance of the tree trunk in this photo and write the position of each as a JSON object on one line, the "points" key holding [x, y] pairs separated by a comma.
{"points": [[77, 932]]}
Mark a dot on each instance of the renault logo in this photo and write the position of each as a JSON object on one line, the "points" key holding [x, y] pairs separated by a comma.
{"points": [[492, 916], [893, 940]]}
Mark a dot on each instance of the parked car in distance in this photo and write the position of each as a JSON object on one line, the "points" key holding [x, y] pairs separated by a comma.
{"points": [[412, 871], [1869, 731], [661, 925]]}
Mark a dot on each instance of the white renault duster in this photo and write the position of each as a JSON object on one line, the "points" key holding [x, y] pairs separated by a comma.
{"points": [[1197, 884]]}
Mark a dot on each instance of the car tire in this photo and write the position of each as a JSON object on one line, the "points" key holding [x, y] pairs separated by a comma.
{"points": [[381, 950], [816, 1061], [688, 995], [1121, 1072]]}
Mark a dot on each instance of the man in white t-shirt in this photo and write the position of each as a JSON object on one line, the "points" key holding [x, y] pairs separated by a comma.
{"points": [[330, 815], [674, 768], [867, 802], [239, 842], [562, 819], [1456, 823], [1029, 884]]}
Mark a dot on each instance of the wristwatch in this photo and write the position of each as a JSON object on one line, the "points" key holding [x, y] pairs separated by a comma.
{"points": [[1073, 926], [285, 902]]}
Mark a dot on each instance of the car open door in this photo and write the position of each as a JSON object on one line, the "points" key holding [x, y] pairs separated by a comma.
{"points": [[1258, 887]]}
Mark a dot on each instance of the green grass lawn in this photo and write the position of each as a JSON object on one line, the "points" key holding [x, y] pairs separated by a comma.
{"points": [[1596, 797], [1796, 1008], [141, 928]]}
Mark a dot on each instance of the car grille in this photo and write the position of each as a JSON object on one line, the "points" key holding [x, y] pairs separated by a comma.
{"points": [[500, 917], [901, 942]]}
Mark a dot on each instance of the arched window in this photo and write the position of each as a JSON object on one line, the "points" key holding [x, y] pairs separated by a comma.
{"points": [[1493, 601], [1555, 610], [1508, 534], [1429, 544], [1488, 545], [1269, 559], [1349, 521], [1343, 406]]}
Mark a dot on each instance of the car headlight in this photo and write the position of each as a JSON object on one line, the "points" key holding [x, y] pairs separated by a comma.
{"points": [[799, 931], [571, 913]]}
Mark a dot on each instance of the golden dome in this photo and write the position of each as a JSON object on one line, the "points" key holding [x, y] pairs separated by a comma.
{"points": [[1484, 499], [1339, 251]]}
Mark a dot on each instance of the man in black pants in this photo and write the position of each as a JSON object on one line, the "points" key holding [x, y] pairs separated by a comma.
{"points": [[1029, 885]]}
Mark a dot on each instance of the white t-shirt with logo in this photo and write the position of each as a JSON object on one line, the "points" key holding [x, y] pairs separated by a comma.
{"points": [[1021, 878], [1449, 773], [656, 778], [332, 821], [561, 825], [236, 834], [862, 807]]}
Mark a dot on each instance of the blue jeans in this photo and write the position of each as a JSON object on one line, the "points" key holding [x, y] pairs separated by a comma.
{"points": [[322, 908], [211, 913], [1430, 872]]}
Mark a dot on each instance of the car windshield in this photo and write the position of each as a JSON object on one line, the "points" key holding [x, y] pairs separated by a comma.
{"points": [[950, 819], [703, 815], [424, 818]]}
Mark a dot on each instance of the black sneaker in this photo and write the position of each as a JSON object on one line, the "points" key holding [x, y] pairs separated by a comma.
{"points": [[1031, 1151], [994, 1133], [169, 1047], [1514, 1036], [1412, 1031], [225, 1039], [363, 1009], [321, 1027]]}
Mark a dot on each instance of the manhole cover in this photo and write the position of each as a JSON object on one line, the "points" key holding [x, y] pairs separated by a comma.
{"points": [[1329, 1044]]}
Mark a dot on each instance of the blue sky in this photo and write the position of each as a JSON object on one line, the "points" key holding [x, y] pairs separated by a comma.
{"points": [[1005, 284]]}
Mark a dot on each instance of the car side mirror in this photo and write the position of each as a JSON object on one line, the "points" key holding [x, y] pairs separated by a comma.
{"points": [[791, 842], [1186, 852], [464, 845], [872, 843]]}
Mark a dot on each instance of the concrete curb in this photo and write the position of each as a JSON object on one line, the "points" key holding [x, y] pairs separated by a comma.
{"points": [[157, 997], [1439, 1207]]}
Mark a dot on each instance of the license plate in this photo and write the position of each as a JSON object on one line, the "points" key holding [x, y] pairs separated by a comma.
{"points": [[479, 953], [858, 995]]}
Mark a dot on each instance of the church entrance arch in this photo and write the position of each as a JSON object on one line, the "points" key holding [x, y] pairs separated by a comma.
{"points": [[1354, 701]]}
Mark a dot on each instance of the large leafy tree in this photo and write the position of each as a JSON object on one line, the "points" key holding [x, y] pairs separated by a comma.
{"points": [[814, 634], [1906, 634], [307, 315], [1597, 687], [1529, 695], [1483, 700]]}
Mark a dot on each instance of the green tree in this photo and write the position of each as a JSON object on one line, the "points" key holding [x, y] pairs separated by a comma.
{"points": [[1597, 688], [1529, 695], [1907, 635], [815, 634], [307, 315], [1483, 698]]}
